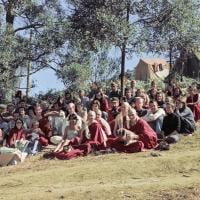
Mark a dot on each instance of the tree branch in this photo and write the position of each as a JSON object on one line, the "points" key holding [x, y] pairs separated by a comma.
{"points": [[38, 25]]}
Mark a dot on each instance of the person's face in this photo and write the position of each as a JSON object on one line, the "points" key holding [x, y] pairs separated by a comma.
{"points": [[35, 125], [98, 95], [21, 112], [128, 93], [16, 116], [124, 109], [71, 109], [38, 110], [91, 116], [56, 107], [132, 116], [176, 91], [67, 95], [72, 121], [139, 104], [190, 91], [95, 106], [10, 109], [115, 104], [79, 107], [159, 97], [153, 107], [22, 104], [98, 115], [179, 104], [133, 83], [31, 113], [113, 87], [169, 109], [153, 92], [94, 86], [18, 124], [82, 94]]}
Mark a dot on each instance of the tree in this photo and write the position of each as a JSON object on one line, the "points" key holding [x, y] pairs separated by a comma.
{"points": [[160, 26], [170, 26], [21, 17], [105, 23]]}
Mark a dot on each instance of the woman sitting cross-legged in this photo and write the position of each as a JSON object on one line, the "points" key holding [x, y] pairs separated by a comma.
{"points": [[72, 131], [16, 146]]}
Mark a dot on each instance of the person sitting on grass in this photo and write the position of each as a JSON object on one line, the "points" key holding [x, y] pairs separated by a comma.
{"points": [[18, 133], [171, 125], [186, 116], [155, 116], [71, 132], [139, 103], [193, 102], [135, 137]]}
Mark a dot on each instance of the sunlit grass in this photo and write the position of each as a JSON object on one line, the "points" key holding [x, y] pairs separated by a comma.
{"points": [[166, 175]]}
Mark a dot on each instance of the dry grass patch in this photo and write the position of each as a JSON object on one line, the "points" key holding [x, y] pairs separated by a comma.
{"points": [[173, 174]]}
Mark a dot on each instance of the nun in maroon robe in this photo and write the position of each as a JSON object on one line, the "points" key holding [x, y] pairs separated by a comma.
{"points": [[92, 138], [193, 102], [146, 137]]}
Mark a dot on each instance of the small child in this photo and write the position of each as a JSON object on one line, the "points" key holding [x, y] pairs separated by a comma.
{"points": [[33, 136]]}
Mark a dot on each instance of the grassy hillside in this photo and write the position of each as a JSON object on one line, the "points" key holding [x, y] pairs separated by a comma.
{"points": [[151, 175]]}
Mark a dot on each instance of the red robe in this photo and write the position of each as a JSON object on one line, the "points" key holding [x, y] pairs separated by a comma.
{"points": [[146, 134], [96, 142], [47, 129], [195, 108], [15, 134], [147, 139]]}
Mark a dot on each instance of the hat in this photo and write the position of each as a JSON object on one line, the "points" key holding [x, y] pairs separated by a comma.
{"points": [[114, 99], [2, 106], [55, 139]]}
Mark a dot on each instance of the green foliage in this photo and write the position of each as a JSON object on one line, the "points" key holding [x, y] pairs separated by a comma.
{"points": [[75, 37], [171, 25]]}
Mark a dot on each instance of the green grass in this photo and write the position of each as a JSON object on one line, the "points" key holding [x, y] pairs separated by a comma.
{"points": [[169, 175]]}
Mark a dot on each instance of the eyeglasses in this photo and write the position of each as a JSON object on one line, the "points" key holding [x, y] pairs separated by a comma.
{"points": [[18, 122]]}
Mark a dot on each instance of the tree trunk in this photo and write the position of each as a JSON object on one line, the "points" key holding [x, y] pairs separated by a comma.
{"points": [[123, 58]]}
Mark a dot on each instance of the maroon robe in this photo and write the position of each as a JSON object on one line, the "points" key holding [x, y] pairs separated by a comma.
{"points": [[15, 134], [120, 147], [47, 129], [146, 134], [196, 107], [147, 139], [96, 142]]}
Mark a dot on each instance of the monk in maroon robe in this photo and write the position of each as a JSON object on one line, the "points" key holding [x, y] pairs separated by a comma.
{"points": [[144, 136], [193, 102], [92, 138]]}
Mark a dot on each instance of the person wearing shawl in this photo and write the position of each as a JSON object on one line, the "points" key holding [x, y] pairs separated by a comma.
{"points": [[193, 102], [16, 134]]}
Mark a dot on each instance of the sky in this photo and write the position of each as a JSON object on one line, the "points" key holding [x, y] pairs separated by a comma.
{"points": [[46, 79]]}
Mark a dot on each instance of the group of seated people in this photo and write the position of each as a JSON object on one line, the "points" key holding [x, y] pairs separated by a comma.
{"points": [[100, 122]]}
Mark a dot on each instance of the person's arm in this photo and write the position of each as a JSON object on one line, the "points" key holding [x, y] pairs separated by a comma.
{"points": [[147, 117], [40, 132], [158, 114], [52, 113]]}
